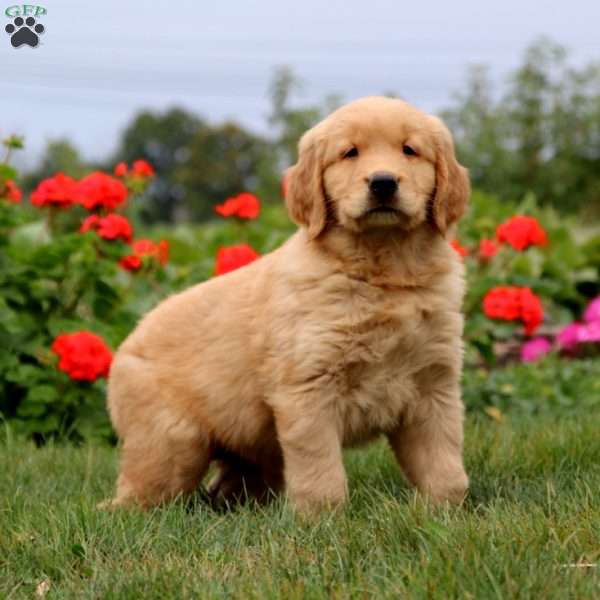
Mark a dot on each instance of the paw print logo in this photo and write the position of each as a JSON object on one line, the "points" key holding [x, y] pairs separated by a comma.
{"points": [[24, 31]]}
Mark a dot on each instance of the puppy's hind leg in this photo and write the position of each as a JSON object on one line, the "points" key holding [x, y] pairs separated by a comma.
{"points": [[165, 451], [159, 463]]}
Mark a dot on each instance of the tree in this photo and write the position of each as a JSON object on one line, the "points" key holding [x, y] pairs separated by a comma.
{"points": [[542, 135], [291, 122], [222, 161], [531, 100], [60, 155], [478, 125], [163, 140]]}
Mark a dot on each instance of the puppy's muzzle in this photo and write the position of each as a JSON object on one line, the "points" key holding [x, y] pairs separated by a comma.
{"points": [[382, 198], [383, 187]]}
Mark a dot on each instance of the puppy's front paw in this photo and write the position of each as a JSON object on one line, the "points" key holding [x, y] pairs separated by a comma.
{"points": [[451, 488], [317, 500]]}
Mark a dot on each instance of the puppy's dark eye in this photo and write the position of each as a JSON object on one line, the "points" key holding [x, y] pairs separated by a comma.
{"points": [[352, 153], [409, 150]]}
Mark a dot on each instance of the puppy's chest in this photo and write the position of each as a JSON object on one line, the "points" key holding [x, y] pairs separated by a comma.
{"points": [[381, 344], [374, 331]]}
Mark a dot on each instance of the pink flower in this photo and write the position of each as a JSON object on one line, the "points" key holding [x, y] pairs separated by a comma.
{"points": [[592, 312], [568, 337], [589, 332], [535, 349]]}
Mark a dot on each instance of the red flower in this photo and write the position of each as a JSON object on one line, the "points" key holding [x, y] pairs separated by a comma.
{"points": [[99, 190], [11, 192], [244, 206], [487, 249], [511, 303], [139, 168], [111, 227], [142, 168], [230, 258], [120, 169], [83, 355], [502, 303], [532, 312], [141, 248], [131, 263], [90, 223], [59, 190], [521, 232], [460, 250], [148, 248]]}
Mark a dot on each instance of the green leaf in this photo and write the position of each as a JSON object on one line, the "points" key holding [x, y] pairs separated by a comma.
{"points": [[7, 172], [26, 375], [15, 142], [42, 394], [57, 325]]}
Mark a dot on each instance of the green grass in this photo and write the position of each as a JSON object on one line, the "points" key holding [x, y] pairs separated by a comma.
{"points": [[534, 508]]}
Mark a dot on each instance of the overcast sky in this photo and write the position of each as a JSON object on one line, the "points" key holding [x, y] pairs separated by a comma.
{"points": [[101, 61]]}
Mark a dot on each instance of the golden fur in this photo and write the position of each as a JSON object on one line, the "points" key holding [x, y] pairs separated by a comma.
{"points": [[350, 330]]}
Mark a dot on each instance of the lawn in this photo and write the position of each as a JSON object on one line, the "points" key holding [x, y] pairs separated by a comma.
{"points": [[531, 523]]}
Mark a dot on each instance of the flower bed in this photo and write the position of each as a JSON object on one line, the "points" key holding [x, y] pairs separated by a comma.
{"points": [[75, 278]]}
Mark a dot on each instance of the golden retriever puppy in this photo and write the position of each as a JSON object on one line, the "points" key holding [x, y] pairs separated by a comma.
{"points": [[351, 330]]}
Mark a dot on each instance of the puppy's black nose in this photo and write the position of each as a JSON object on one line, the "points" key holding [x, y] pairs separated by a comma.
{"points": [[383, 185]]}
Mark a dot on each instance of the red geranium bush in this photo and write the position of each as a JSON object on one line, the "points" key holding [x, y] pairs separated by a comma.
{"points": [[487, 249], [52, 383], [111, 227], [230, 258], [459, 249], [142, 168], [243, 206], [101, 191], [512, 303], [157, 253], [11, 192], [83, 356], [121, 169], [59, 190], [520, 232], [139, 168]]}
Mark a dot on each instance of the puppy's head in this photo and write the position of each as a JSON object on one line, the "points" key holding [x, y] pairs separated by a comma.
{"points": [[377, 163]]}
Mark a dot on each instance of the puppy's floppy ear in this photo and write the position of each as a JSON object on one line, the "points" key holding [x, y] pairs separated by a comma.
{"points": [[305, 196], [452, 187]]}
